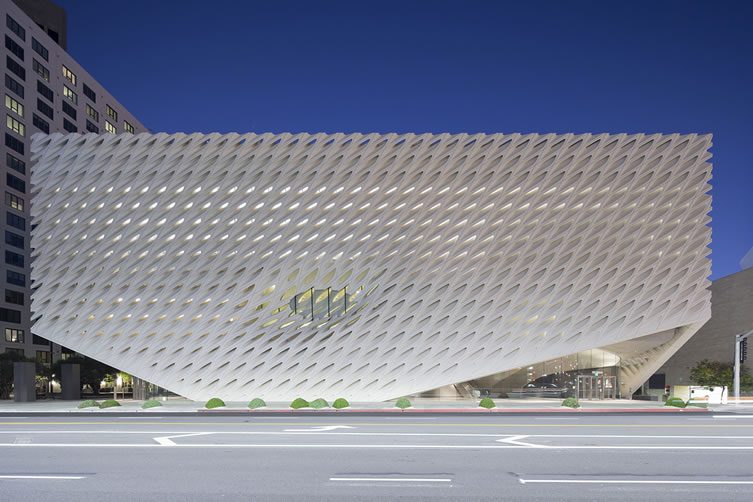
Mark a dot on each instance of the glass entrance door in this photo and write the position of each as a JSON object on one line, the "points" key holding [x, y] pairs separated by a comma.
{"points": [[586, 387]]}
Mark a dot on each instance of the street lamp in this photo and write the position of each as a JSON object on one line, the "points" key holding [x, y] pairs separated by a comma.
{"points": [[741, 354]]}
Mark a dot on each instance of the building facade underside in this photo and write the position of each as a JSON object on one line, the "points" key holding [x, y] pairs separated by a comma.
{"points": [[370, 266]]}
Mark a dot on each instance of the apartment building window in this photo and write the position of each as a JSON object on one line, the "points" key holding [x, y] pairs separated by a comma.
{"points": [[40, 70], [15, 164], [14, 201], [14, 48], [15, 126], [89, 93], [43, 357], [69, 75], [15, 278], [68, 93], [45, 109], [14, 297], [127, 127], [91, 127], [40, 49], [45, 91], [68, 126], [110, 128], [69, 110], [92, 113], [15, 27], [15, 259], [14, 335], [15, 240], [14, 86], [14, 143], [40, 123], [14, 106], [112, 113], [16, 183], [16, 68], [15, 220]]}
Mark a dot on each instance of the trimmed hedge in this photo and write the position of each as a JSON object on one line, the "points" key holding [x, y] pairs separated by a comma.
{"points": [[257, 402], [340, 403], [487, 403], [676, 402], [215, 402], [109, 403], [299, 403], [89, 403], [150, 403], [403, 403], [318, 404], [571, 402]]}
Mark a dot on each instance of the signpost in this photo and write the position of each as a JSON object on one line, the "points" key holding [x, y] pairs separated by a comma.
{"points": [[741, 354]]}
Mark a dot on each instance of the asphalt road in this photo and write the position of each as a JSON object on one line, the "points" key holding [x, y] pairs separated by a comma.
{"points": [[377, 458]]}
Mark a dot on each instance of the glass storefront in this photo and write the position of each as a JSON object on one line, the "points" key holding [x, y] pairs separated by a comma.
{"points": [[590, 374]]}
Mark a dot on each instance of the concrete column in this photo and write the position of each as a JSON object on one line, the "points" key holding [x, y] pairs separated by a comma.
{"points": [[70, 381], [24, 381]]}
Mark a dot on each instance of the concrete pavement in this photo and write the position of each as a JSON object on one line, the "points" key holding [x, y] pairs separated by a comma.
{"points": [[575, 457]]}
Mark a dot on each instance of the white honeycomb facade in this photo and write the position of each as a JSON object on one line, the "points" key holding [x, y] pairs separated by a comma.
{"points": [[188, 260]]}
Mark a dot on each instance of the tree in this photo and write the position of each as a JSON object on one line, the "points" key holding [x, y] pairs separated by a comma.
{"points": [[716, 373], [92, 372], [6, 372]]}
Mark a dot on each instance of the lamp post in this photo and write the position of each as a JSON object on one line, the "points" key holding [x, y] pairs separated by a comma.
{"points": [[741, 346]]}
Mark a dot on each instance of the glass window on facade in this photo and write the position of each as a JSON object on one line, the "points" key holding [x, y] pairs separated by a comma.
{"points": [[127, 127], [15, 182], [112, 113], [45, 91], [14, 201], [15, 126], [92, 113], [40, 49], [89, 93], [110, 128], [15, 67], [15, 278], [15, 27], [14, 48], [70, 95], [14, 86], [69, 75], [43, 357], [14, 143], [14, 297], [14, 106], [15, 163], [14, 335], [69, 126], [40, 70], [40, 123]]}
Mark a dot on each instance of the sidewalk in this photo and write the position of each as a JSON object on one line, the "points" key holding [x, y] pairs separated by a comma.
{"points": [[175, 406]]}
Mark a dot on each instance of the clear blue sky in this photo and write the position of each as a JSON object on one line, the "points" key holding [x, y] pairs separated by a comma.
{"points": [[420, 66]]}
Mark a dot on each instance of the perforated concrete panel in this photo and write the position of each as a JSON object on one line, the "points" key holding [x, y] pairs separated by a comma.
{"points": [[363, 266]]}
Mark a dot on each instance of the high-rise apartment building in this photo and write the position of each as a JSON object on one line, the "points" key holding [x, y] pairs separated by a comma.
{"points": [[44, 90]]}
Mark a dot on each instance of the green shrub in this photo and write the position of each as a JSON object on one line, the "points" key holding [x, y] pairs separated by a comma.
{"points": [[403, 403], [318, 404], [340, 403], [257, 402], [89, 403], [215, 402], [487, 403], [298, 403], [151, 403], [676, 402], [109, 403], [571, 402]]}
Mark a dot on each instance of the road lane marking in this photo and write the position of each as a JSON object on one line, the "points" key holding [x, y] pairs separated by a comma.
{"points": [[635, 481], [168, 440], [412, 480], [731, 416], [9, 476], [321, 428], [369, 446], [515, 440]]}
